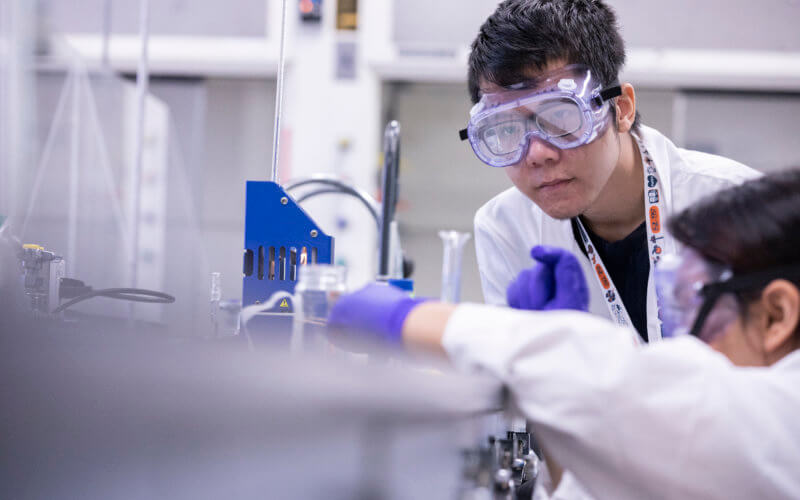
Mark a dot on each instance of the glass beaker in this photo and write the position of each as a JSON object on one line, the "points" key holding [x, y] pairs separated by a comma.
{"points": [[216, 296], [318, 288]]}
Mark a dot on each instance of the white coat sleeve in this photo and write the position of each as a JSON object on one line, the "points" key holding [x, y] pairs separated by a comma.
{"points": [[627, 422], [568, 488]]}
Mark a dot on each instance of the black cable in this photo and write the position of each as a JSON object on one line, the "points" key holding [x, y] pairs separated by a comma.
{"points": [[69, 288], [130, 294]]}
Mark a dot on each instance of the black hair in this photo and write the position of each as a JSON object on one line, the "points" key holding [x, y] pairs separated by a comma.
{"points": [[749, 228], [524, 35]]}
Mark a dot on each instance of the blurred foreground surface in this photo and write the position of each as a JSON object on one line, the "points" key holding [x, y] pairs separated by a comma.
{"points": [[98, 410]]}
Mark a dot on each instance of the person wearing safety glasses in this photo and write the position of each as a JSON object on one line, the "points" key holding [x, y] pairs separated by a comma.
{"points": [[711, 412], [588, 177]]}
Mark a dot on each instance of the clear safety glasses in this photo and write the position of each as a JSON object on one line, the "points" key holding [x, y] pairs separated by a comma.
{"points": [[567, 108], [697, 297]]}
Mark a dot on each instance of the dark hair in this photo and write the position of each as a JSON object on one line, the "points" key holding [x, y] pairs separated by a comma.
{"points": [[749, 228], [528, 34]]}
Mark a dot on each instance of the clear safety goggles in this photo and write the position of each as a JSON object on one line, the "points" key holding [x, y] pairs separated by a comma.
{"points": [[566, 108], [681, 281], [697, 297]]}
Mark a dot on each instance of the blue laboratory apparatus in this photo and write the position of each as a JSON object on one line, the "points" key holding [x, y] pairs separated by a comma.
{"points": [[279, 236]]}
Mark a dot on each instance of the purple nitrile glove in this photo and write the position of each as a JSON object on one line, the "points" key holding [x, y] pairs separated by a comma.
{"points": [[375, 311], [556, 281]]}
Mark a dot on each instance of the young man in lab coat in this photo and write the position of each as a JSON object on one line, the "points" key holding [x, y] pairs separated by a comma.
{"points": [[588, 177]]}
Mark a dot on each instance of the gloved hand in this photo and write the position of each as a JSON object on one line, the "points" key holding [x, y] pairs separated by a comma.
{"points": [[376, 311], [556, 281]]}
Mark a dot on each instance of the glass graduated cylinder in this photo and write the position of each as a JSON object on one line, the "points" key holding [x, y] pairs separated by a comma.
{"points": [[453, 248]]}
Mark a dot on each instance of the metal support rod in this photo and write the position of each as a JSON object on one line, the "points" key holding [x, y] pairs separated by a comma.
{"points": [[391, 168], [142, 84], [276, 140], [106, 61], [74, 173]]}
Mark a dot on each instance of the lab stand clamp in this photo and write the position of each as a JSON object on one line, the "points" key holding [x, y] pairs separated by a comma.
{"points": [[498, 470], [42, 272]]}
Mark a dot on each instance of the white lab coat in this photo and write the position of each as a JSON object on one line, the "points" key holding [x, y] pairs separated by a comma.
{"points": [[669, 420], [510, 224]]}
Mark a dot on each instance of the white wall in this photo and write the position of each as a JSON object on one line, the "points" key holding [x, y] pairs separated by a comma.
{"points": [[242, 18], [759, 130], [224, 127], [707, 24]]}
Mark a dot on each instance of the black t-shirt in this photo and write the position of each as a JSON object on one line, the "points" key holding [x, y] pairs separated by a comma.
{"points": [[628, 264]]}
